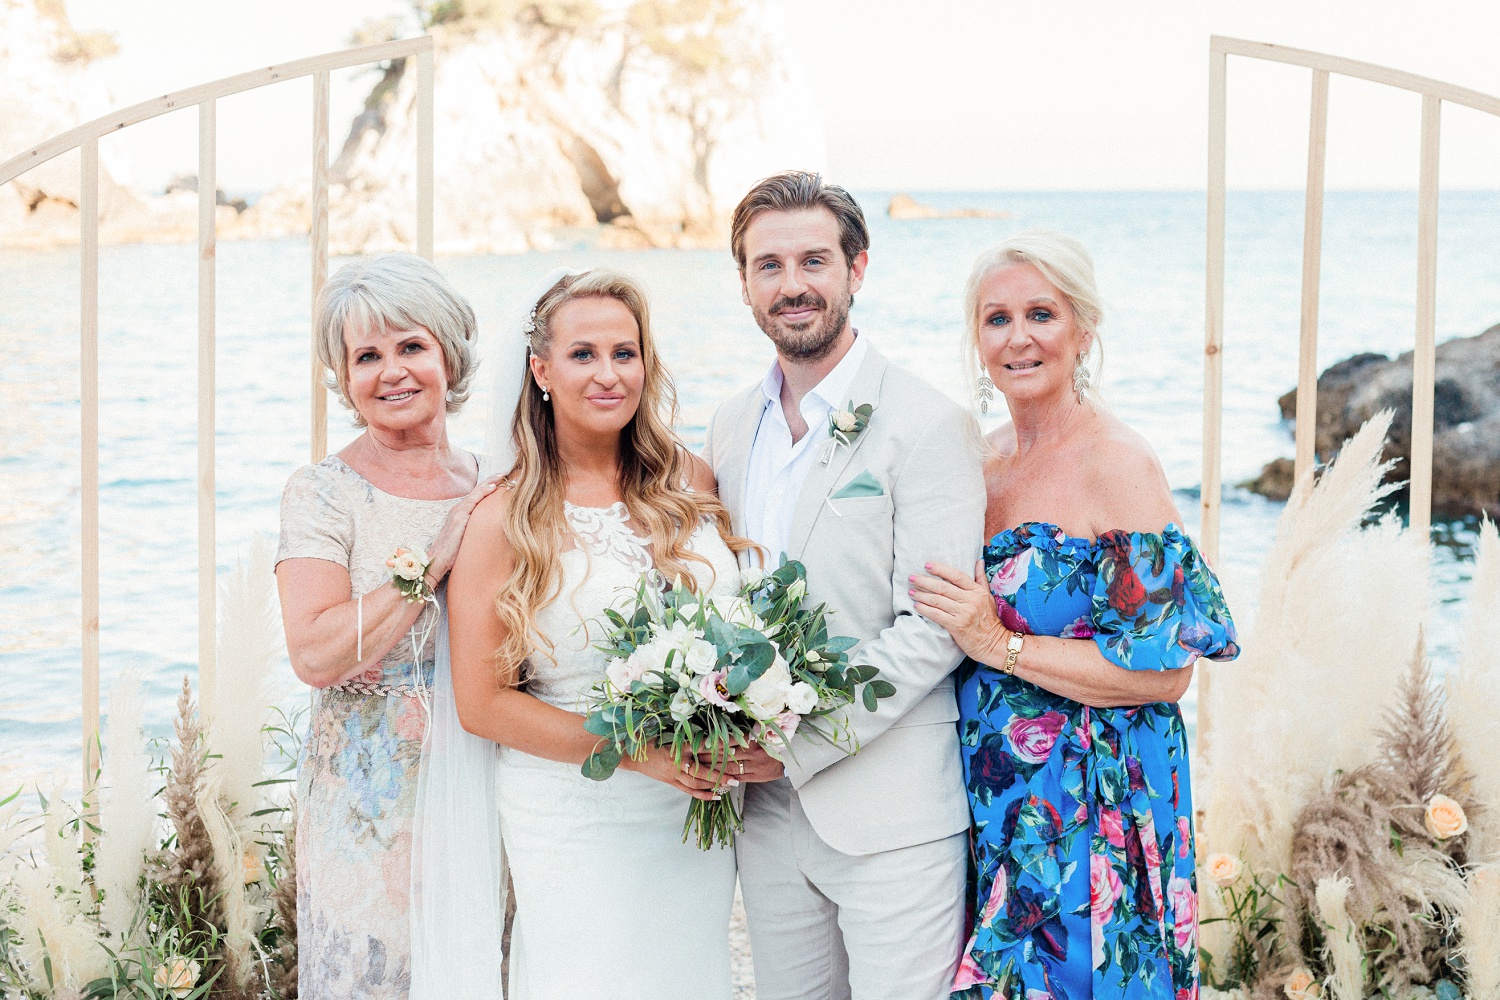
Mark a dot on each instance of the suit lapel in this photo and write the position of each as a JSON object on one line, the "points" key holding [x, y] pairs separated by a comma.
{"points": [[820, 481], [734, 466]]}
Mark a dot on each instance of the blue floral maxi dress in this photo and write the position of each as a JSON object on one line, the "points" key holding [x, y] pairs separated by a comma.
{"points": [[357, 779], [1083, 839]]}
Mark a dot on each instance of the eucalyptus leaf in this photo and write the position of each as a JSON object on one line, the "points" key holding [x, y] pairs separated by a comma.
{"points": [[601, 763], [869, 697], [882, 689]]}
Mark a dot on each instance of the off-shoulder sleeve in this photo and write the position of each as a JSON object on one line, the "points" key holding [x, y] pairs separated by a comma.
{"points": [[1157, 604], [316, 522]]}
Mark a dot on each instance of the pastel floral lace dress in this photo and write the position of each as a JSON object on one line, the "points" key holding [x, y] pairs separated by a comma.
{"points": [[1083, 841], [357, 779]]}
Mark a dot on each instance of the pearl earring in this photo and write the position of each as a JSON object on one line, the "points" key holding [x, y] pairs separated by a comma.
{"points": [[450, 395], [545, 394]]}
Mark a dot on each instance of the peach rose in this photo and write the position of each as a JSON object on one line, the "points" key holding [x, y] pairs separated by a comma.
{"points": [[1301, 986], [255, 869], [1223, 869], [1445, 818], [177, 977]]}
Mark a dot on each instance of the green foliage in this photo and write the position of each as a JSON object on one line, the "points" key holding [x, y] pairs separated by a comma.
{"points": [[1254, 916]]}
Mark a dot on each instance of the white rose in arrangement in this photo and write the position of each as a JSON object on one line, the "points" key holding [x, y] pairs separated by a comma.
{"points": [[797, 590], [766, 696], [679, 636], [682, 705], [652, 657], [801, 698], [621, 672], [753, 576], [845, 420], [702, 656]]}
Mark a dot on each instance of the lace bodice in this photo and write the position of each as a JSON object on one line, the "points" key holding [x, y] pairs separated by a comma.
{"points": [[602, 571]]}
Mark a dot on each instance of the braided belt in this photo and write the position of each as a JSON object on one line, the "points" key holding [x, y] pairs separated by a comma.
{"points": [[363, 687]]}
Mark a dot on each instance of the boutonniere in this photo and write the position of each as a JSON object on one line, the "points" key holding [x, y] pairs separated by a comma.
{"points": [[844, 425]]}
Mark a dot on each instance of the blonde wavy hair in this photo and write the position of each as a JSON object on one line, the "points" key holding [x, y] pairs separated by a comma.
{"points": [[655, 468]]}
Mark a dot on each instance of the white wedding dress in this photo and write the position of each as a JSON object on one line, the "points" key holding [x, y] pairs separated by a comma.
{"points": [[609, 900]]}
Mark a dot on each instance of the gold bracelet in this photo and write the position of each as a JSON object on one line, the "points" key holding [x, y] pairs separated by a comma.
{"points": [[1012, 651]]}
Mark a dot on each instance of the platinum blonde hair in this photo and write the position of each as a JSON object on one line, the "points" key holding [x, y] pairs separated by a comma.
{"points": [[1064, 262], [395, 291]]}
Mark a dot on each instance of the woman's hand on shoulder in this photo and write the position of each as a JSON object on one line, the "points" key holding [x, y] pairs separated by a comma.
{"points": [[963, 605], [1129, 483], [445, 547]]}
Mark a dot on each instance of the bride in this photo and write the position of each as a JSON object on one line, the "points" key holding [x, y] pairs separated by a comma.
{"points": [[607, 894]]}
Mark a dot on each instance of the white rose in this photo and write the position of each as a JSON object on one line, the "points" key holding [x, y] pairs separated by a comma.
{"points": [[797, 590], [682, 705], [752, 576], [702, 656], [651, 657], [765, 698], [621, 672], [679, 636], [801, 698], [845, 420]]}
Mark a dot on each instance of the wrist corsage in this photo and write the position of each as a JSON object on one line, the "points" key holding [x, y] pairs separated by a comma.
{"points": [[409, 573]]}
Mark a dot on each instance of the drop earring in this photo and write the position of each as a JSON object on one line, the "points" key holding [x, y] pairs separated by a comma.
{"points": [[986, 392], [546, 396], [1081, 378]]}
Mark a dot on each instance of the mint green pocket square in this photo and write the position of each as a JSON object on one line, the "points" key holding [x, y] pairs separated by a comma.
{"points": [[862, 485]]}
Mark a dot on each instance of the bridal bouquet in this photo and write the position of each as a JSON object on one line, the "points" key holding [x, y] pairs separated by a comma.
{"points": [[703, 675]]}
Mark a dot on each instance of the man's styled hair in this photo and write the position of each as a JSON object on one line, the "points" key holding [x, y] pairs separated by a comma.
{"points": [[791, 191]]}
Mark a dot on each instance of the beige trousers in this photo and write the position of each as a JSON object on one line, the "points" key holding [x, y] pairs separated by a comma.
{"points": [[831, 926]]}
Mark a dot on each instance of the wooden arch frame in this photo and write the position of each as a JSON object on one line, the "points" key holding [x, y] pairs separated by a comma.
{"points": [[85, 138], [1424, 357]]}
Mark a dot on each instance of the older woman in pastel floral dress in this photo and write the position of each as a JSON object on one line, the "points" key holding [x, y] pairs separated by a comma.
{"points": [[1082, 624], [399, 342]]}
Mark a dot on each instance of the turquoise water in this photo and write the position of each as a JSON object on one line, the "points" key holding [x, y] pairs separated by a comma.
{"points": [[1149, 250]]}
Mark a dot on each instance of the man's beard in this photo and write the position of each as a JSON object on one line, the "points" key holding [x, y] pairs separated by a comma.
{"points": [[813, 340]]}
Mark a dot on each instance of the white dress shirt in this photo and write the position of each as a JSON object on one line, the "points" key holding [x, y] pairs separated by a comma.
{"points": [[779, 466]]}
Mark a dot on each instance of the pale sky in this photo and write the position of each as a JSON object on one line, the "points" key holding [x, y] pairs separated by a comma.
{"points": [[946, 95]]}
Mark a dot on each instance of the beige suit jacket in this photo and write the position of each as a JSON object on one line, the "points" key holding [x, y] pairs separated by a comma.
{"points": [[905, 785]]}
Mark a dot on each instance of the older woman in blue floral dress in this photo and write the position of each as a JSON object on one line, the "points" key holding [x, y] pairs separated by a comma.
{"points": [[399, 342], [1082, 624]]}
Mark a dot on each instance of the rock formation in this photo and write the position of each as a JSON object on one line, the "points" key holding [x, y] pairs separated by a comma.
{"points": [[1466, 421], [652, 117], [904, 206]]}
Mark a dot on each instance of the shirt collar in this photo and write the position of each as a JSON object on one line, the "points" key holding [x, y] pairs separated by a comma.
{"points": [[833, 391]]}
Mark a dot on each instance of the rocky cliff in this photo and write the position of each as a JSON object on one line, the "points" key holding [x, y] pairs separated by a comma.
{"points": [[1466, 421], [651, 117]]}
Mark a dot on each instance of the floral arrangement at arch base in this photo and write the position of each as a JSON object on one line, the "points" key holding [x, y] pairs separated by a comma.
{"points": [[179, 884], [1352, 830]]}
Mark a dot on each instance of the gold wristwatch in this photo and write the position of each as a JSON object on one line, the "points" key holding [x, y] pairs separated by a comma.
{"points": [[1013, 650]]}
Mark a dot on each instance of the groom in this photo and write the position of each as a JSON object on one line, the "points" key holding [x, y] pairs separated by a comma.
{"points": [[852, 867]]}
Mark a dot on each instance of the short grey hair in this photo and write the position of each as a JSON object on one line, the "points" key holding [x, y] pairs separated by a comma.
{"points": [[1062, 260], [395, 291]]}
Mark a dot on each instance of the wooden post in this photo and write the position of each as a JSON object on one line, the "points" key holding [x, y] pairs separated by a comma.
{"points": [[1312, 258], [319, 257], [207, 424], [424, 153], [1213, 350], [88, 444], [1424, 356]]}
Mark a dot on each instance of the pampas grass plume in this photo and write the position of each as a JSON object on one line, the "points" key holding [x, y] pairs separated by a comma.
{"points": [[1479, 928], [249, 645], [1338, 618], [1474, 694], [1345, 956], [127, 809]]}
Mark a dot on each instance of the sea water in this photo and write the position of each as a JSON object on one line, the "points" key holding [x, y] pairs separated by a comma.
{"points": [[1149, 254]]}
